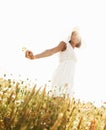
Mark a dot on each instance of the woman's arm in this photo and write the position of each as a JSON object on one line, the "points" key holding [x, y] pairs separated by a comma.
{"points": [[48, 52]]}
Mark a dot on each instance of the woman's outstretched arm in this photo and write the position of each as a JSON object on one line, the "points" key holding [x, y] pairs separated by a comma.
{"points": [[46, 53]]}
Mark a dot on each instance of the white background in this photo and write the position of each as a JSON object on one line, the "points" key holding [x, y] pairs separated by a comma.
{"points": [[42, 24]]}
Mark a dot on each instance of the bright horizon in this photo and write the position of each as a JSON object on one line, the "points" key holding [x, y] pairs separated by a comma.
{"points": [[39, 25]]}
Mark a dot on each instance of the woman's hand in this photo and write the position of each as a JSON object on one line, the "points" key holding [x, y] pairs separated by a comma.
{"points": [[29, 55]]}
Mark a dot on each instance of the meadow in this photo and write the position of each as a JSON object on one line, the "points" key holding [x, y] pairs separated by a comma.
{"points": [[28, 108]]}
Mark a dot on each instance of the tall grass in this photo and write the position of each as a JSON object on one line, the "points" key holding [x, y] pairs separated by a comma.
{"points": [[22, 108]]}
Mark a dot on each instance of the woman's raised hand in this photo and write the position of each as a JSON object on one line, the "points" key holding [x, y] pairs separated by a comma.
{"points": [[29, 54]]}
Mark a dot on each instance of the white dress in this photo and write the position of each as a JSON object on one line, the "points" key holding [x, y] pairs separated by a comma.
{"points": [[62, 81]]}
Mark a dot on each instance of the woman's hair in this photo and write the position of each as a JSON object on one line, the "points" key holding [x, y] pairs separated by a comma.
{"points": [[79, 44]]}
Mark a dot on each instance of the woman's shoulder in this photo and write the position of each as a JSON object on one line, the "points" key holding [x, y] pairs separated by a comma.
{"points": [[63, 42], [64, 45]]}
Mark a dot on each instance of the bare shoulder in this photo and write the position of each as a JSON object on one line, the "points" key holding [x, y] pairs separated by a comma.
{"points": [[62, 45]]}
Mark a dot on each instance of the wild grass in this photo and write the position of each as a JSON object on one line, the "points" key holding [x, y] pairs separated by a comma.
{"points": [[24, 108]]}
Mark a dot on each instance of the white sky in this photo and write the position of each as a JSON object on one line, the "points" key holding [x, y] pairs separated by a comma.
{"points": [[42, 24]]}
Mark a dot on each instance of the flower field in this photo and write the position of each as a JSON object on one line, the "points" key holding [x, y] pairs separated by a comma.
{"points": [[24, 108]]}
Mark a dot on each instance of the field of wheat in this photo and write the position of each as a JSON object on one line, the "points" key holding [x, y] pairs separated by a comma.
{"points": [[24, 108]]}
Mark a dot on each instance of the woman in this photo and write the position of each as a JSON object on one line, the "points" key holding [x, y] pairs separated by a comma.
{"points": [[62, 81]]}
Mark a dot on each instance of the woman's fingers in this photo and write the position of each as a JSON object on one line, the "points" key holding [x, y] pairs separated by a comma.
{"points": [[26, 54], [29, 54]]}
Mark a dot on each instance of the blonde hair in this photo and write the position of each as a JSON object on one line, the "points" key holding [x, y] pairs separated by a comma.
{"points": [[79, 44]]}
